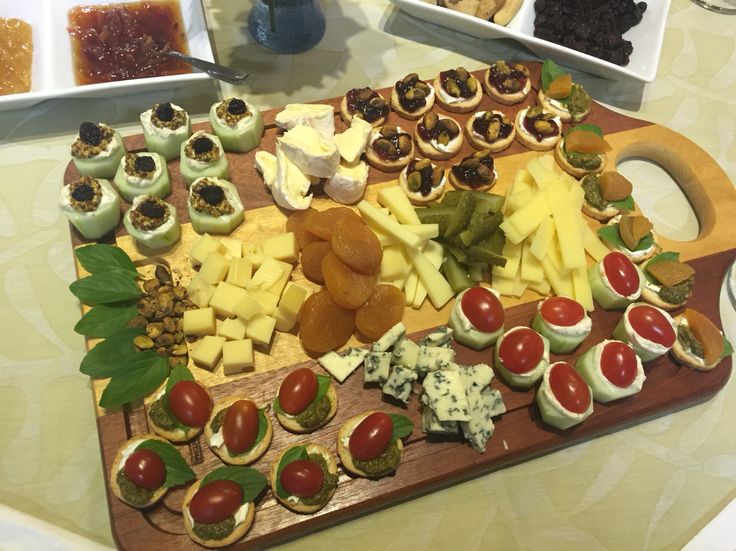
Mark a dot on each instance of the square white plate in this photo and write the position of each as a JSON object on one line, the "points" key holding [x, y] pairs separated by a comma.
{"points": [[53, 75], [646, 37]]}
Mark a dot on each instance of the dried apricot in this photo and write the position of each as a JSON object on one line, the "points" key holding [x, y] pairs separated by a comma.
{"points": [[706, 333], [560, 88], [383, 309], [324, 325], [349, 288], [311, 260], [583, 141], [295, 223], [357, 246], [322, 223]]}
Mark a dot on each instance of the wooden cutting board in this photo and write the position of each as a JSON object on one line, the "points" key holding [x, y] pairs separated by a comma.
{"points": [[429, 462]]}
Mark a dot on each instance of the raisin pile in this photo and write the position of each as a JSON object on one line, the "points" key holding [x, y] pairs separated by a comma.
{"points": [[594, 27]]}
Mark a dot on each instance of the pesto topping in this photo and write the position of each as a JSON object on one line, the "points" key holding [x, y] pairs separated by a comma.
{"points": [[232, 111], [151, 213], [93, 139], [586, 161], [578, 102], [85, 194], [141, 166], [328, 485], [678, 293], [162, 418], [163, 115], [216, 423], [214, 531], [131, 493], [385, 463], [202, 148], [315, 414], [689, 342], [210, 198], [593, 195]]}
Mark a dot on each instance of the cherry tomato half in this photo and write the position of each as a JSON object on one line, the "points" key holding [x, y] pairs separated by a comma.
{"points": [[217, 501], [652, 324], [297, 391], [521, 350], [483, 309], [618, 363], [371, 437], [569, 387], [562, 311], [302, 478], [240, 426], [190, 403], [145, 469], [621, 273]]}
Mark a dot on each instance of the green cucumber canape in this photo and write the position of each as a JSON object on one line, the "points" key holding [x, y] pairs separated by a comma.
{"points": [[165, 127], [214, 206], [152, 223], [202, 155], [97, 150], [239, 125], [91, 205], [615, 281], [563, 322], [649, 330], [142, 174], [521, 356], [612, 370], [477, 318], [564, 398]]}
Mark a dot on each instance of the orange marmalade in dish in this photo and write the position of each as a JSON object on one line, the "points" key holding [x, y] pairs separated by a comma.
{"points": [[16, 53], [126, 41]]}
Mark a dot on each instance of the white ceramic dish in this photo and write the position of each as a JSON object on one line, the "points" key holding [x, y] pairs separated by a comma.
{"points": [[646, 37], [53, 75]]}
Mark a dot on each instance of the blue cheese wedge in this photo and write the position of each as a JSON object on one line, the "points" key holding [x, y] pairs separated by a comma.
{"points": [[445, 394], [340, 366], [432, 425], [376, 367], [400, 383], [431, 358], [406, 353], [483, 406], [389, 338], [442, 336]]}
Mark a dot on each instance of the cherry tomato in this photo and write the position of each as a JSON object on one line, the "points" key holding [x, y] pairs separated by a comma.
{"points": [[621, 273], [298, 390], [371, 437], [145, 469], [618, 363], [569, 387], [190, 403], [483, 309], [302, 478], [652, 324], [240, 426], [216, 501], [562, 311], [521, 350]]}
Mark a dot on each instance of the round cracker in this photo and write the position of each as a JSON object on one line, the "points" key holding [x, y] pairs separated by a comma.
{"points": [[222, 452], [479, 142], [465, 106], [290, 423], [562, 161], [503, 98], [115, 468], [298, 506], [346, 458]]}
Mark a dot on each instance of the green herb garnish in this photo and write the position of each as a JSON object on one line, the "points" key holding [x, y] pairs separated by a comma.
{"points": [[105, 320], [550, 71], [250, 480], [112, 355], [143, 375], [178, 470], [402, 426], [611, 234], [297, 453]]}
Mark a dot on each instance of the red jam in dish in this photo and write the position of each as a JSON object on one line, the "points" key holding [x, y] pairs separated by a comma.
{"points": [[302, 478], [618, 364], [569, 388], [298, 390], [483, 309], [652, 324], [521, 350], [216, 501], [371, 437], [621, 274], [562, 311]]}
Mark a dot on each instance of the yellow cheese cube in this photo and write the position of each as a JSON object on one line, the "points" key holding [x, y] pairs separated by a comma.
{"points": [[240, 272], [292, 299], [207, 352], [268, 301], [248, 307], [237, 356], [225, 298], [531, 269], [260, 328], [203, 246], [200, 292], [281, 247], [398, 203], [233, 247], [284, 321], [254, 253], [267, 274], [214, 268], [278, 288], [199, 322], [233, 329]]}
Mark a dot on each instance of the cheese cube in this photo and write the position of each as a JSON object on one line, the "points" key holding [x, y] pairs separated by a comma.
{"points": [[214, 268], [199, 322], [445, 394], [389, 338], [237, 356], [376, 367], [248, 307], [254, 253], [200, 292], [278, 288], [399, 383], [406, 352], [207, 352], [225, 298], [233, 329], [432, 425], [233, 247], [240, 272], [284, 322], [292, 299], [267, 300], [205, 245], [281, 247], [267, 274], [260, 328]]}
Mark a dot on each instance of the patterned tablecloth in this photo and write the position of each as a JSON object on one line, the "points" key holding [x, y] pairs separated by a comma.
{"points": [[649, 487]]}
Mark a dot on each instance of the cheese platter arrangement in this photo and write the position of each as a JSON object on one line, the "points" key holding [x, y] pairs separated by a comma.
{"points": [[397, 230]]}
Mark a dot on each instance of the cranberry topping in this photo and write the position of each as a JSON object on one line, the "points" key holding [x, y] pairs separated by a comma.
{"points": [[540, 125], [482, 123], [368, 103], [474, 171], [508, 79]]}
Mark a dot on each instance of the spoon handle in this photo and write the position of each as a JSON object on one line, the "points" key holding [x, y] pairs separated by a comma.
{"points": [[213, 69]]}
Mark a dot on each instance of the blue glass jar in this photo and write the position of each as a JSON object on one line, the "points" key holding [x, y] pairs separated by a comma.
{"points": [[294, 26]]}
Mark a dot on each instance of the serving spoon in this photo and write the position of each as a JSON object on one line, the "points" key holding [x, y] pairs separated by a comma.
{"points": [[219, 72]]}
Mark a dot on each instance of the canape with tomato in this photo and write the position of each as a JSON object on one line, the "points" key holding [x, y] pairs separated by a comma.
{"points": [[304, 477], [238, 431], [180, 409], [477, 318], [615, 281], [369, 444], [612, 370], [521, 356], [563, 321], [649, 330], [305, 401], [699, 344], [564, 398]]}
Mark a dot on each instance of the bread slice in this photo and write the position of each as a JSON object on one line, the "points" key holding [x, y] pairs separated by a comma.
{"points": [[290, 423], [565, 165], [343, 437], [222, 452], [117, 465], [294, 503]]}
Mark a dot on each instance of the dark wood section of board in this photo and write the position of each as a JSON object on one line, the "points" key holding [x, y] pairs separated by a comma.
{"points": [[250, 184], [429, 463]]}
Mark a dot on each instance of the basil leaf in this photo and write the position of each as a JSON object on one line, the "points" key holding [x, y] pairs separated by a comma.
{"points": [[262, 428], [727, 348], [105, 288], [178, 470], [626, 204], [179, 373], [402, 426], [111, 355], [611, 234], [297, 453], [595, 129], [323, 384], [277, 406], [99, 258], [250, 480], [550, 71], [139, 380], [105, 320]]}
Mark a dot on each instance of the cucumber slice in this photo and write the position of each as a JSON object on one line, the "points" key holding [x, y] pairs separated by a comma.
{"points": [[465, 333], [244, 136], [552, 411], [461, 215], [456, 274], [621, 333], [217, 169], [158, 239], [164, 141], [558, 344], [223, 225], [521, 380], [159, 185], [604, 295], [588, 365], [94, 224], [102, 166]]}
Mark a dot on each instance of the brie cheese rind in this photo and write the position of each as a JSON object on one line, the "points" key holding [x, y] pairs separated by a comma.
{"points": [[348, 183], [290, 188], [265, 163], [313, 154], [352, 143], [320, 117]]}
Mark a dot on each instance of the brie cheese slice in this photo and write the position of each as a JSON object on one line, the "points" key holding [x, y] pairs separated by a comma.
{"points": [[308, 150], [348, 183], [318, 116], [352, 143], [290, 185], [265, 163]]}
